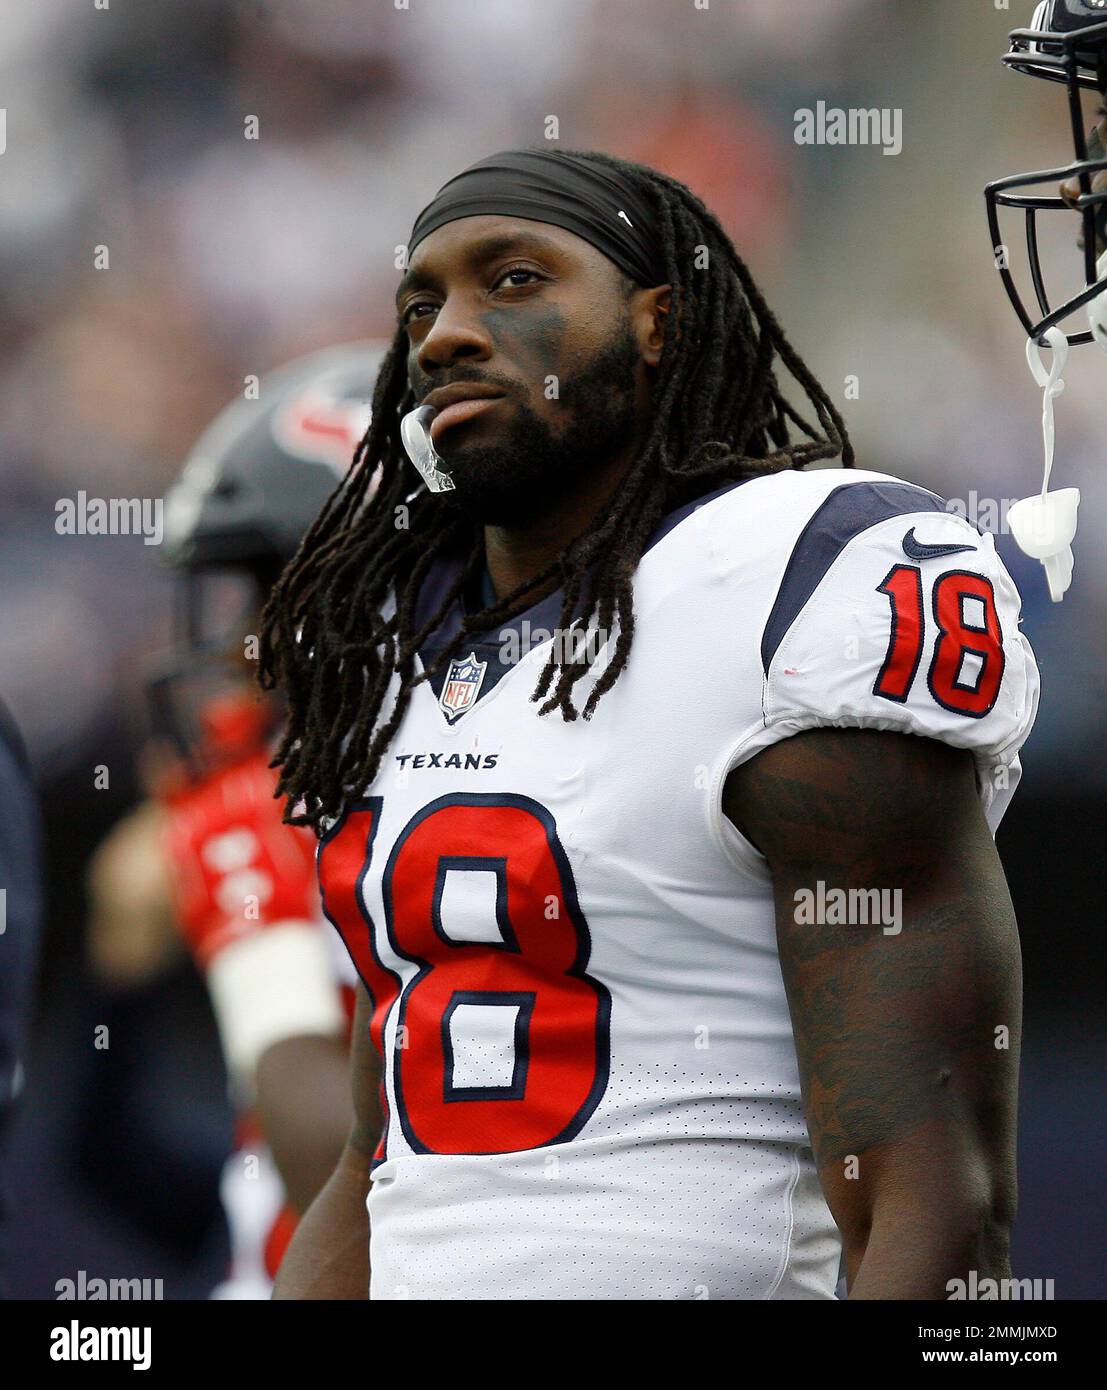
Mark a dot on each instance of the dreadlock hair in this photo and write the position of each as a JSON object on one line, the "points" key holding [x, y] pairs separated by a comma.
{"points": [[717, 415]]}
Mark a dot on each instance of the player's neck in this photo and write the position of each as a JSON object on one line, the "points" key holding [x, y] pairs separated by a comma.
{"points": [[514, 556]]}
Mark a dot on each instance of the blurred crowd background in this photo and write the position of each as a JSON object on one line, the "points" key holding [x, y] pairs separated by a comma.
{"points": [[228, 256]]}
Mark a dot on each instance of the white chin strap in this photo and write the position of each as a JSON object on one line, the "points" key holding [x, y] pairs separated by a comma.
{"points": [[1097, 309], [1044, 526]]}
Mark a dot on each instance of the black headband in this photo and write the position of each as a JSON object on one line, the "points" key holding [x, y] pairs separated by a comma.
{"points": [[589, 199]]}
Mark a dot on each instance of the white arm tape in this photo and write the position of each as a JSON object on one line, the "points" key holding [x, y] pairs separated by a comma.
{"points": [[277, 983]]}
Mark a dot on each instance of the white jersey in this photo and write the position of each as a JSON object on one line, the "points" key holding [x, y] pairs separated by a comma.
{"points": [[590, 1081]]}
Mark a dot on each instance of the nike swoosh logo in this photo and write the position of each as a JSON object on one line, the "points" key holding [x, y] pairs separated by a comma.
{"points": [[918, 550]]}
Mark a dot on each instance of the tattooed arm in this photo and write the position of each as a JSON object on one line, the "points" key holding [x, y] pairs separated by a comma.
{"points": [[907, 1042]]}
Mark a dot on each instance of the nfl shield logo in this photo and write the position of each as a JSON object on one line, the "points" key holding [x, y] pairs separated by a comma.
{"points": [[462, 686]]}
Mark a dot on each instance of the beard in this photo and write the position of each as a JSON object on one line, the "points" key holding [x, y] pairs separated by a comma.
{"points": [[530, 469]]}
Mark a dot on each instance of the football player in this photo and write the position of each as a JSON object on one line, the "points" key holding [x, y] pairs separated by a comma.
{"points": [[1065, 43], [211, 851], [656, 779]]}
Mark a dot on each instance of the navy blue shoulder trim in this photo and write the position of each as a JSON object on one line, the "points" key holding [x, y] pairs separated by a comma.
{"points": [[849, 510]]}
